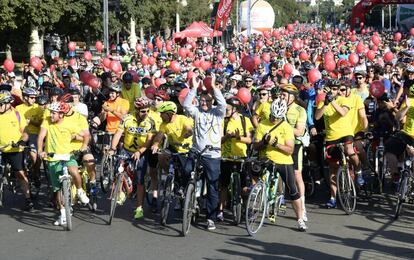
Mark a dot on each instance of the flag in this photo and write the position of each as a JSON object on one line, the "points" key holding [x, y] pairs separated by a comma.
{"points": [[223, 13]]}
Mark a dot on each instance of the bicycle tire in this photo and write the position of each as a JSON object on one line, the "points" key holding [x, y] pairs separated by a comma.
{"points": [[67, 202], [236, 198], [106, 171], [309, 181], [166, 200], [188, 208], [257, 200], [346, 190], [147, 185], [2, 191], [402, 191], [371, 156], [114, 199]]}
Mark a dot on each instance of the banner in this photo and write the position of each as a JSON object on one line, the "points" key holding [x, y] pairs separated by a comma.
{"points": [[223, 13]]}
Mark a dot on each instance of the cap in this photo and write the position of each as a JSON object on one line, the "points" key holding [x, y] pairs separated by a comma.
{"points": [[360, 72], [236, 77]]}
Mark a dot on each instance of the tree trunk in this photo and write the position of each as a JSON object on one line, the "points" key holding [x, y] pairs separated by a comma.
{"points": [[35, 46], [167, 32]]}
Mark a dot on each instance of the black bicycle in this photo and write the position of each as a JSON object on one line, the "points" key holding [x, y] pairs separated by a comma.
{"points": [[406, 185]]}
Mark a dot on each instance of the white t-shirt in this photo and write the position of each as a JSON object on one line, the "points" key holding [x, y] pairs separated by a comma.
{"points": [[82, 109]]}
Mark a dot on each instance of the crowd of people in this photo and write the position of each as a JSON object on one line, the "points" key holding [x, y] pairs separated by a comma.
{"points": [[270, 94]]}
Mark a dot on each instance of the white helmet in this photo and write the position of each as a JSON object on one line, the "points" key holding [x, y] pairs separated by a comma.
{"points": [[278, 108]]}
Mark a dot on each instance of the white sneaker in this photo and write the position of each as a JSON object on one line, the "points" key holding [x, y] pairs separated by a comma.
{"points": [[61, 221], [305, 216], [301, 225], [82, 196]]}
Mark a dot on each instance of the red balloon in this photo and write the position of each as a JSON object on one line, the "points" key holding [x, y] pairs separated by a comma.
{"points": [[150, 92], [159, 82], [370, 55], [320, 98], [328, 56], [163, 70], [72, 62], [72, 46], [151, 61], [248, 63], [197, 63], [360, 48], [168, 48], [190, 55], [159, 45], [412, 31], [290, 27], [397, 36], [361, 24], [135, 77], [144, 61], [266, 34], [205, 65], [296, 44], [84, 77], [244, 95], [232, 57], [209, 50], [99, 46], [193, 45], [257, 60], [183, 95], [303, 56], [377, 88], [107, 63], [190, 75], [328, 35], [329, 65], [260, 44], [266, 57], [376, 40], [375, 48], [94, 82], [175, 66], [353, 58], [182, 52], [87, 55], [219, 57], [354, 38], [336, 31], [150, 46], [8, 65], [138, 48], [244, 39], [116, 66], [314, 75], [288, 68], [275, 33], [388, 57], [36, 63], [207, 83]]}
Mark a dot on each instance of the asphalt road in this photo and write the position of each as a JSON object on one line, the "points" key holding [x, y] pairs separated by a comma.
{"points": [[370, 233]]}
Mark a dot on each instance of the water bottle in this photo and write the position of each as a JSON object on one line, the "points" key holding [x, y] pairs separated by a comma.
{"points": [[129, 181], [171, 169], [198, 188]]}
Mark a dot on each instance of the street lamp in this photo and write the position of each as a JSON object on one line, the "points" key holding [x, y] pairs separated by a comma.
{"points": [[177, 15]]}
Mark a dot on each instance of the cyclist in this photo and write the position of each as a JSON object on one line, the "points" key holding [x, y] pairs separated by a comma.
{"points": [[78, 106], [130, 91], [208, 122], [13, 130], [237, 135], [296, 117], [114, 109], [262, 111], [276, 138], [138, 130], [58, 132], [338, 129], [34, 116]]}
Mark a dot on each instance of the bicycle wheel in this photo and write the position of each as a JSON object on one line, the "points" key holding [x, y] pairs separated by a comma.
{"points": [[107, 173], [371, 156], [166, 200], [307, 175], [346, 190], [188, 208], [255, 209], [147, 185], [402, 192], [67, 202], [114, 198], [236, 198], [2, 192]]}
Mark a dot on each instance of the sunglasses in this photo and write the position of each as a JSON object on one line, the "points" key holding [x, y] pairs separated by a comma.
{"points": [[359, 77], [249, 80], [144, 111], [334, 89], [342, 89], [263, 94], [32, 97]]}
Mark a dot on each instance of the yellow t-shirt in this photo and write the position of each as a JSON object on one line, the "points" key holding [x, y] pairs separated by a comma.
{"points": [[136, 134], [283, 132], [80, 123], [131, 95], [263, 110], [11, 129], [232, 147], [353, 115], [337, 126], [59, 136], [120, 105], [154, 115], [296, 115], [34, 114], [409, 119], [174, 132]]}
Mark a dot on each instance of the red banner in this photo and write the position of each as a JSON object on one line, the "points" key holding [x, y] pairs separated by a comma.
{"points": [[223, 13]]}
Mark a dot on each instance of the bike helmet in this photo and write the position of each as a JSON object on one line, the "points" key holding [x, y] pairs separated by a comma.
{"points": [[290, 88], [307, 66], [55, 91], [411, 91], [167, 106], [278, 108], [47, 85], [275, 91], [6, 97], [233, 101], [115, 87], [162, 94], [60, 107], [67, 98], [74, 91], [333, 83], [29, 92], [42, 100], [141, 103], [410, 69], [127, 77]]}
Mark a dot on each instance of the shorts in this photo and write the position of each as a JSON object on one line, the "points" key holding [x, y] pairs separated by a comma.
{"points": [[33, 142], [297, 157], [334, 152], [398, 143], [55, 169], [286, 171], [152, 158], [141, 167], [227, 168], [16, 160]]}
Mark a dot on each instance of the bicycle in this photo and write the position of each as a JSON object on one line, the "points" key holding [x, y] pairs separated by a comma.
{"points": [[379, 162], [195, 189], [308, 174], [8, 180], [123, 182], [265, 197], [83, 171], [106, 176], [406, 185]]}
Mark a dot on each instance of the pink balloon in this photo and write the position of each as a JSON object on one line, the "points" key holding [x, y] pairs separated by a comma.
{"points": [[99, 46], [197, 63], [159, 45], [94, 82], [138, 48], [232, 57], [135, 77], [107, 63], [354, 38], [175, 66], [205, 65], [155, 54], [116, 66], [259, 44], [329, 65], [257, 60], [377, 88], [244, 95], [388, 57], [209, 50], [303, 56], [144, 61], [159, 82], [370, 55], [361, 24], [219, 57], [336, 30], [87, 55], [412, 31], [360, 48], [397, 36], [36, 63], [288, 68], [183, 95], [248, 63], [151, 61], [182, 52], [8, 65], [72, 46], [328, 56], [290, 27], [376, 40], [150, 46], [72, 62], [314, 75], [296, 44], [353, 59]]}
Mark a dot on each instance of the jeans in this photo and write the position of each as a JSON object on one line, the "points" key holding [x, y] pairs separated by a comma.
{"points": [[211, 168]]}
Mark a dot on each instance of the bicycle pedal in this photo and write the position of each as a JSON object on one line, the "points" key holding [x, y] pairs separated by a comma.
{"points": [[272, 218]]}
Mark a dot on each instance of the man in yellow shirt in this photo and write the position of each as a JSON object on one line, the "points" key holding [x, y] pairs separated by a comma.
{"points": [[138, 130], [130, 91], [237, 135], [275, 136], [58, 133], [13, 131], [34, 116]]}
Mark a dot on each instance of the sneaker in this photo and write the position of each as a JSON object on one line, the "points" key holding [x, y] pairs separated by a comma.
{"points": [[29, 205], [210, 224], [331, 204], [220, 216], [154, 204], [121, 198], [301, 225], [305, 216], [82, 196], [139, 213], [61, 221]]}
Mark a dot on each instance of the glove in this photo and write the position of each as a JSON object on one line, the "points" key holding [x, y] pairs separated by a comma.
{"points": [[19, 143], [328, 98], [266, 139]]}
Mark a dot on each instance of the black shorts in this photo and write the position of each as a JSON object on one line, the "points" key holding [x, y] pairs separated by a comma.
{"points": [[227, 168], [334, 152], [398, 143], [152, 158], [287, 173], [15, 160], [297, 157]]}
